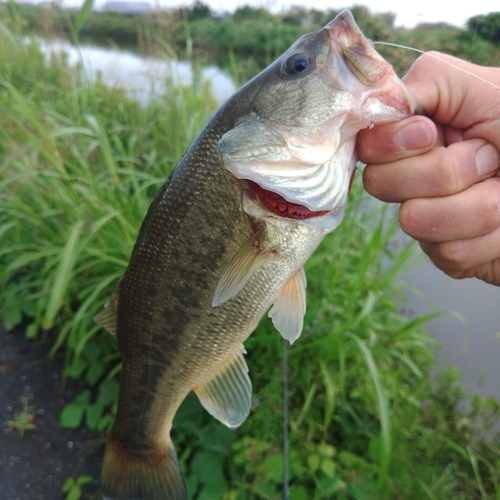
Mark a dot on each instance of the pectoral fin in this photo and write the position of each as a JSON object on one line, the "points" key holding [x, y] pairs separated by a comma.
{"points": [[250, 257], [107, 317], [228, 395], [289, 307]]}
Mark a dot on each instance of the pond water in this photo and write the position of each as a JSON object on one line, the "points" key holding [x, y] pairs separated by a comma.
{"points": [[472, 342], [140, 76]]}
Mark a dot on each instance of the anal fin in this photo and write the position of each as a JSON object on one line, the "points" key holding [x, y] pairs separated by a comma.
{"points": [[107, 317], [227, 396], [289, 307]]}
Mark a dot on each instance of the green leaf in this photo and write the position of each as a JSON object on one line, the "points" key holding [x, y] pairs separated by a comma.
{"points": [[76, 368], [328, 467], [63, 275], [214, 489], [207, 466], [383, 407], [299, 493], [75, 493], [375, 449], [31, 331], [68, 484], [11, 317], [105, 423], [108, 392], [192, 485], [93, 415], [329, 394], [217, 437], [273, 467], [351, 460], [82, 16], [71, 416], [82, 399], [84, 479], [92, 351], [313, 462], [94, 373]]}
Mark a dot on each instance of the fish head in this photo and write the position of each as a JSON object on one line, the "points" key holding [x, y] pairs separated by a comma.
{"points": [[294, 149]]}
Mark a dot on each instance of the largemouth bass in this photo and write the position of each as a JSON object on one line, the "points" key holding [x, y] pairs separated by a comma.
{"points": [[226, 238]]}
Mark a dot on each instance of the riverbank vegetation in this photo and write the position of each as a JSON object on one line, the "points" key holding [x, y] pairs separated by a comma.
{"points": [[79, 166], [253, 36]]}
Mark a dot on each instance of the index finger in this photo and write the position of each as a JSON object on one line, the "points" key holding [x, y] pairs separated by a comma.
{"points": [[440, 172]]}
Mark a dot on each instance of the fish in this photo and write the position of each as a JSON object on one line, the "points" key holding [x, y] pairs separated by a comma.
{"points": [[225, 241]]}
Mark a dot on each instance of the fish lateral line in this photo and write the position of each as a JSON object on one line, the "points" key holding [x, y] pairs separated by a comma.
{"points": [[423, 52]]}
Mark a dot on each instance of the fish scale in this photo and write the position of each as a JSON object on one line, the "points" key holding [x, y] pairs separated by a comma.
{"points": [[225, 240]]}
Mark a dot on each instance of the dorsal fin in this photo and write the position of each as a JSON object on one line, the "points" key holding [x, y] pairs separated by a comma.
{"points": [[289, 307], [228, 394], [250, 257]]}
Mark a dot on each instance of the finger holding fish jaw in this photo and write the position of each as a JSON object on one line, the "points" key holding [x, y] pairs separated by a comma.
{"points": [[427, 171], [450, 203], [444, 171]]}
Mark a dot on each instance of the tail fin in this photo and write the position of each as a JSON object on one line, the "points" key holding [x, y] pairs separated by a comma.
{"points": [[152, 476]]}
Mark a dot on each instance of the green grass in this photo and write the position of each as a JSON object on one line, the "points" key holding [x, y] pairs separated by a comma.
{"points": [[22, 421], [80, 164]]}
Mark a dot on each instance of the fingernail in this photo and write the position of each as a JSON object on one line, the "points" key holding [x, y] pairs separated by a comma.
{"points": [[414, 136], [487, 160]]}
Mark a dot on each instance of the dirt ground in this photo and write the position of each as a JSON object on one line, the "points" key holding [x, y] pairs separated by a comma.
{"points": [[34, 466]]}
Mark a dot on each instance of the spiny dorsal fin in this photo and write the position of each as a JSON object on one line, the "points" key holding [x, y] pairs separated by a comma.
{"points": [[289, 307], [228, 395], [250, 257], [107, 317]]}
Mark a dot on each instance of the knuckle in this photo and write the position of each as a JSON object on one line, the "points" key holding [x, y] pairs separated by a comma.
{"points": [[450, 257], [453, 175], [410, 218], [489, 218], [370, 180], [457, 170]]}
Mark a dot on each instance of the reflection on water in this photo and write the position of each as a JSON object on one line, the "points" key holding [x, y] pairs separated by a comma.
{"points": [[142, 77], [474, 347]]}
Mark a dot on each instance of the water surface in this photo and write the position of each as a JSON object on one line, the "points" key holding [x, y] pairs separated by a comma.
{"points": [[142, 77], [472, 345]]}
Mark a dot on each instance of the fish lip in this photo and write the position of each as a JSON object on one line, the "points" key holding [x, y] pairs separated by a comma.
{"points": [[372, 71], [344, 24], [279, 205]]}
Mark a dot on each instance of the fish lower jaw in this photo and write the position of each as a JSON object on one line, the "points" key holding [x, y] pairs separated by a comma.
{"points": [[280, 206]]}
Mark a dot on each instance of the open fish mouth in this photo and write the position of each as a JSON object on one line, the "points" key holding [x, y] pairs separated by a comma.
{"points": [[277, 204], [280, 206]]}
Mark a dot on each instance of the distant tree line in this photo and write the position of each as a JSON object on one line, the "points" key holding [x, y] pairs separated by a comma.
{"points": [[253, 37]]}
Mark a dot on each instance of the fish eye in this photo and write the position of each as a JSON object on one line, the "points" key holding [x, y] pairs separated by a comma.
{"points": [[297, 64]]}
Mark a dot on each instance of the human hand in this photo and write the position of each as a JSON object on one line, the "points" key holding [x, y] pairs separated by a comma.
{"points": [[444, 170]]}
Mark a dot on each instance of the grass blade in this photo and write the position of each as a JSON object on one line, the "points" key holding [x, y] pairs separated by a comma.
{"points": [[63, 275], [383, 408], [82, 16]]}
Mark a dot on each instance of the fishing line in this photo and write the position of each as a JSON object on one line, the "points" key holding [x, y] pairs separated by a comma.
{"points": [[439, 59], [285, 420]]}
